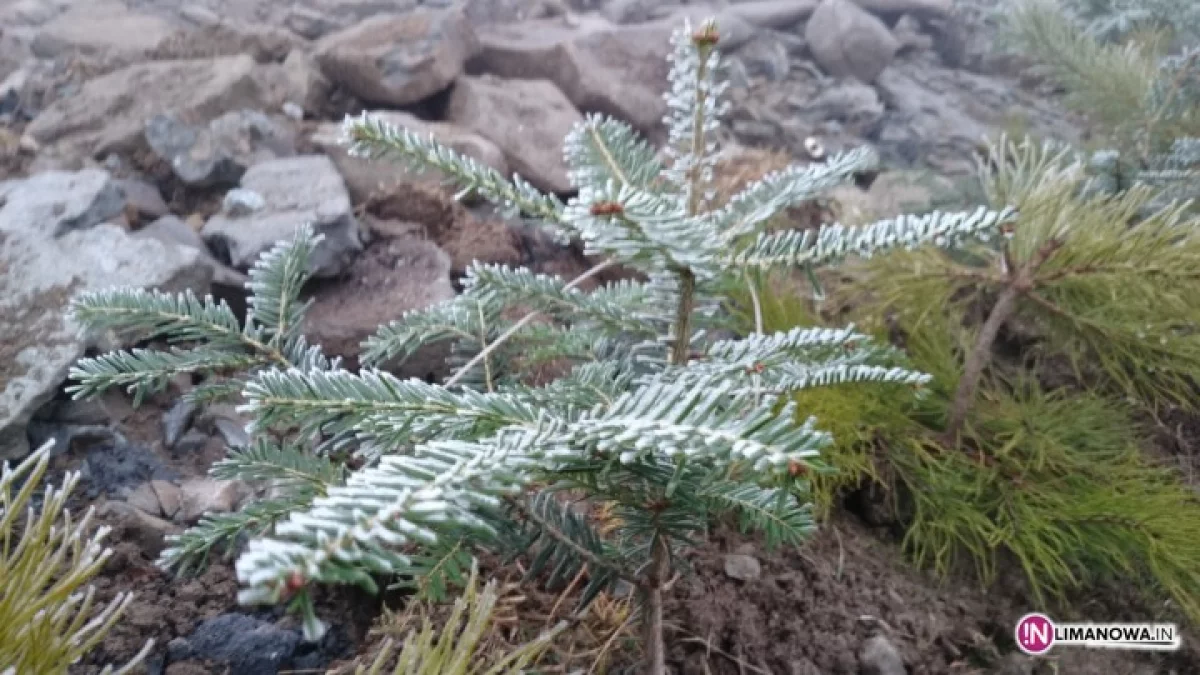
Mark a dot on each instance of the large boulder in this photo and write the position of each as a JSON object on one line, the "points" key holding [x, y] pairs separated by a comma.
{"points": [[399, 59], [108, 114], [367, 178], [526, 119], [56, 239], [847, 41], [277, 197]]}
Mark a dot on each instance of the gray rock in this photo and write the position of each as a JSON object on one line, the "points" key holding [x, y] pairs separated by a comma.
{"points": [[803, 667], [307, 87], [241, 202], [766, 58], [143, 529], [219, 153], [224, 420], [742, 567], [200, 16], [366, 178], [144, 199], [910, 36], [879, 656], [177, 420], [619, 71], [846, 41], [853, 104], [144, 499], [922, 9], [71, 437], [778, 14], [169, 496], [45, 220], [115, 468], [309, 23], [636, 11], [198, 496], [171, 230], [75, 412], [242, 644], [526, 119], [192, 442], [63, 201], [109, 113], [399, 59], [99, 27], [295, 191]]}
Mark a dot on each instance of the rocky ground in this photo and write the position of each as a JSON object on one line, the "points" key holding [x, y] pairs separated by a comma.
{"points": [[166, 144]]}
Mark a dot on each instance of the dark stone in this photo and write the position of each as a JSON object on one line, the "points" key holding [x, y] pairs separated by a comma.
{"points": [[243, 644], [113, 466], [177, 420]]}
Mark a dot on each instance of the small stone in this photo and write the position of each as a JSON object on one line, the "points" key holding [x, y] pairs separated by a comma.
{"points": [[199, 496], [293, 110], [309, 23], [199, 15], [170, 497], [742, 567], [241, 202], [880, 657], [177, 420], [144, 498], [144, 199], [145, 530], [847, 41], [82, 412], [192, 442], [399, 59], [293, 191], [242, 643]]}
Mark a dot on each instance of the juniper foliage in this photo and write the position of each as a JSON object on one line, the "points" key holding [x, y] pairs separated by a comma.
{"points": [[651, 420]]}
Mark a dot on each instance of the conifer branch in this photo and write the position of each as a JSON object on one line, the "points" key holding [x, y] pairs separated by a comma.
{"points": [[371, 137], [831, 243], [183, 317]]}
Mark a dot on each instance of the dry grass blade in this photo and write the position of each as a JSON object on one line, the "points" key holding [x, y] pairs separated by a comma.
{"points": [[47, 617]]}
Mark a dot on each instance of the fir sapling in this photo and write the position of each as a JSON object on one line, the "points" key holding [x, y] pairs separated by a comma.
{"points": [[652, 421]]}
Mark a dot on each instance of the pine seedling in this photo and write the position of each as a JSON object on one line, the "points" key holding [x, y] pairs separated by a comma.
{"points": [[1133, 68], [652, 421], [48, 619]]}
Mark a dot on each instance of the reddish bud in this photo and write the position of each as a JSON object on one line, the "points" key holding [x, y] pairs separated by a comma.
{"points": [[796, 469], [607, 209], [294, 583], [706, 36]]}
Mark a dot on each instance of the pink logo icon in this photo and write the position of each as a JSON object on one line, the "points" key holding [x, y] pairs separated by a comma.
{"points": [[1035, 634]]}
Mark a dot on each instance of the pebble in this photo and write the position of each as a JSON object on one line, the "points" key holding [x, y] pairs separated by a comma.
{"points": [[742, 567]]}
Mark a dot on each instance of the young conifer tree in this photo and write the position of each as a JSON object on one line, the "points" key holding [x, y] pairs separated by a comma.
{"points": [[1133, 68], [652, 421]]}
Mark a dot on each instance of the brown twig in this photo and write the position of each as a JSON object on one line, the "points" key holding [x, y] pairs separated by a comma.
{"points": [[1021, 280]]}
